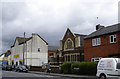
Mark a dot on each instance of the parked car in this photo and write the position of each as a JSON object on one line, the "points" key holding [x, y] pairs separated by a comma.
{"points": [[3, 66], [13, 67], [21, 68], [8, 67], [108, 68]]}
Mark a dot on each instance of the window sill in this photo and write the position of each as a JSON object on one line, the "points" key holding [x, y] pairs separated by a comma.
{"points": [[96, 45], [112, 42]]}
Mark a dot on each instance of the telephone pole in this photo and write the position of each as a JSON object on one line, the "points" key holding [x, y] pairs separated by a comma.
{"points": [[24, 49]]}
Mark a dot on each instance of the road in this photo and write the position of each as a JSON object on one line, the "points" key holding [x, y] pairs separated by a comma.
{"points": [[22, 75]]}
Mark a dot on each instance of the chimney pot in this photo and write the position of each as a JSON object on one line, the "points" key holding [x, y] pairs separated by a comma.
{"points": [[99, 27]]}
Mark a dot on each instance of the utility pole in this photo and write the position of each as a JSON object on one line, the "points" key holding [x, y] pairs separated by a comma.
{"points": [[26, 53], [24, 49]]}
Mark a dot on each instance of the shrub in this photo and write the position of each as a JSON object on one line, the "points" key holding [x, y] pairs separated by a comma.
{"points": [[66, 68], [75, 68], [84, 68]]}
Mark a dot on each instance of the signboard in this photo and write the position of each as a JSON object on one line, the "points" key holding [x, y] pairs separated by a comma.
{"points": [[16, 56]]}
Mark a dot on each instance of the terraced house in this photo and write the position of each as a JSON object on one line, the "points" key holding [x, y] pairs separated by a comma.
{"points": [[72, 47], [32, 51], [104, 42]]}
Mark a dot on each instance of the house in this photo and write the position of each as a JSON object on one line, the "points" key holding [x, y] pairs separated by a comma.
{"points": [[32, 51], [5, 58], [104, 42], [72, 47], [52, 57]]}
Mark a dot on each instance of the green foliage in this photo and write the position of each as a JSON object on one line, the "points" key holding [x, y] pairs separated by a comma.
{"points": [[66, 68], [84, 68], [81, 68]]}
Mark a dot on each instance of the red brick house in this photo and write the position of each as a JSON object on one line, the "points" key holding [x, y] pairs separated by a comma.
{"points": [[72, 47], [104, 42]]}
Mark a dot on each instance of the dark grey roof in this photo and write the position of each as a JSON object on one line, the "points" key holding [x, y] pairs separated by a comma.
{"points": [[6, 54], [53, 48], [22, 39], [79, 34], [105, 30]]}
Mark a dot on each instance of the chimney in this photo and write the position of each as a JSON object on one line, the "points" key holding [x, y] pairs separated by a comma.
{"points": [[99, 27], [33, 34]]}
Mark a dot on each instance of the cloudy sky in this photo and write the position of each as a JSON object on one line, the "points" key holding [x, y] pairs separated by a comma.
{"points": [[51, 18]]}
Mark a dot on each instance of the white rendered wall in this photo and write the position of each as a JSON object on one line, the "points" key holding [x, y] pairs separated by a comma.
{"points": [[32, 56]]}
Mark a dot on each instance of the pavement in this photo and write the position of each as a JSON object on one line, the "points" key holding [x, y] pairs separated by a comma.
{"points": [[65, 75]]}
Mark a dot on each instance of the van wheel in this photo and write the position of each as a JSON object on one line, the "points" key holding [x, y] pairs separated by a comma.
{"points": [[102, 77]]}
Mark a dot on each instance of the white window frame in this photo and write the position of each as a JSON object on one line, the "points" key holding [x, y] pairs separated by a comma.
{"points": [[96, 59], [114, 37], [96, 41], [93, 42]]}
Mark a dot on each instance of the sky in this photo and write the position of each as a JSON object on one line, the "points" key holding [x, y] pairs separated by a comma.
{"points": [[51, 18]]}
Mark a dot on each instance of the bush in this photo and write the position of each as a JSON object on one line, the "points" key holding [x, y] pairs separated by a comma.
{"points": [[75, 68], [84, 68], [81, 68], [66, 68]]}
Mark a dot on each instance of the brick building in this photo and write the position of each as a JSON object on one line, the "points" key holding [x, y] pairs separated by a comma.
{"points": [[104, 42], [72, 47], [53, 58]]}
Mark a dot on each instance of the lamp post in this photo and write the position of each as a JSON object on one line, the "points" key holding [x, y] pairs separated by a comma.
{"points": [[24, 49]]}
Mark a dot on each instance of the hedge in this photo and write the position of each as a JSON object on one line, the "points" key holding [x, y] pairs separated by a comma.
{"points": [[81, 68], [66, 68]]}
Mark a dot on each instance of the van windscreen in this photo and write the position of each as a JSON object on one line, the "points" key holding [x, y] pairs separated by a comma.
{"points": [[118, 65]]}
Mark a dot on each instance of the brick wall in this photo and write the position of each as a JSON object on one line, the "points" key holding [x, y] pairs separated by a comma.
{"points": [[104, 50], [54, 69]]}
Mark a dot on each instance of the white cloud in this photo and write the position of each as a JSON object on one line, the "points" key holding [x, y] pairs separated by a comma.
{"points": [[50, 18]]}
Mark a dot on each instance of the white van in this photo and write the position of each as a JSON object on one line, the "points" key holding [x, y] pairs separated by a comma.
{"points": [[108, 68]]}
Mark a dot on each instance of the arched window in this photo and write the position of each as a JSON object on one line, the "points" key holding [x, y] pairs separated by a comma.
{"points": [[69, 44]]}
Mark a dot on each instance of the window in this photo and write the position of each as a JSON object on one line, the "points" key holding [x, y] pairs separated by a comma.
{"points": [[93, 42], [38, 49], [118, 65], [73, 58], [112, 38], [66, 58], [96, 42], [69, 44], [95, 59]]}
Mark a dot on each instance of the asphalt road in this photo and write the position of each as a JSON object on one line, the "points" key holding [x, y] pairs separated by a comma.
{"points": [[22, 75]]}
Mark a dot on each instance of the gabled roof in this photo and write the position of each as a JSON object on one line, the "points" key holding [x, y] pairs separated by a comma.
{"points": [[21, 40], [6, 54], [79, 34], [42, 39], [105, 30], [74, 34]]}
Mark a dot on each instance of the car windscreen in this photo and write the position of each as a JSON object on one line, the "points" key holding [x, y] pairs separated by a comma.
{"points": [[8, 66], [118, 66]]}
